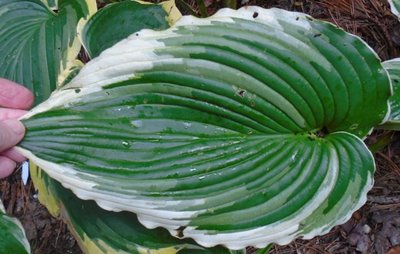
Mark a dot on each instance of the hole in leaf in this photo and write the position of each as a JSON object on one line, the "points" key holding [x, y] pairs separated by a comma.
{"points": [[241, 93], [179, 232], [255, 14]]}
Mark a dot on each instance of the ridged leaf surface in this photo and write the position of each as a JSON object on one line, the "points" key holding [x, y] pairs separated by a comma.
{"points": [[38, 44], [117, 21], [99, 231], [240, 129], [393, 68], [12, 235]]}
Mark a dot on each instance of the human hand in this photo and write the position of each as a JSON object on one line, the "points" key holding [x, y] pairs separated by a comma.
{"points": [[14, 100]]}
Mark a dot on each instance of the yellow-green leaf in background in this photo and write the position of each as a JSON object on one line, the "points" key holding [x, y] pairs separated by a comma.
{"points": [[37, 43], [99, 231]]}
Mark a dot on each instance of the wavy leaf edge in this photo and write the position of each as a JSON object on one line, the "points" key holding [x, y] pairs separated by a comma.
{"points": [[16, 234], [392, 66], [95, 84], [395, 7]]}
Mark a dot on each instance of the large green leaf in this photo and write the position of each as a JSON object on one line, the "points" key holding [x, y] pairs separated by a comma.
{"points": [[12, 235], [37, 44], [395, 7], [240, 129], [393, 68], [99, 231], [116, 21]]}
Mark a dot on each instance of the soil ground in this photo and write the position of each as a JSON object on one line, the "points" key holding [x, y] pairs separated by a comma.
{"points": [[375, 228]]}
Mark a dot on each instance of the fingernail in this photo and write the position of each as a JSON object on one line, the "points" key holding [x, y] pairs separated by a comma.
{"points": [[15, 126]]}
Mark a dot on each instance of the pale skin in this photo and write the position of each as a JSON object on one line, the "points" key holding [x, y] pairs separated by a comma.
{"points": [[14, 101]]}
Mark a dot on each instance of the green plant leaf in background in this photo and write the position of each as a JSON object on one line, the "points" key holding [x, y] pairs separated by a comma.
{"points": [[99, 231], [393, 68], [117, 21], [37, 44], [240, 129], [202, 8], [12, 235], [395, 7], [231, 4], [51, 201]]}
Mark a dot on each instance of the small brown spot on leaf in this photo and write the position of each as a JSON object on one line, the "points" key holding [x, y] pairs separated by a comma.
{"points": [[179, 232], [241, 93], [255, 14]]}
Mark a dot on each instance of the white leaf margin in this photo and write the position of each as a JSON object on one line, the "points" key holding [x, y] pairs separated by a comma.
{"points": [[394, 4], [19, 235], [102, 71]]}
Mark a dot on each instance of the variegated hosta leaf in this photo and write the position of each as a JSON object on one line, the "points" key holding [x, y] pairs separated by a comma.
{"points": [[395, 7], [116, 21], [240, 129], [99, 231], [393, 68], [12, 235], [38, 44]]}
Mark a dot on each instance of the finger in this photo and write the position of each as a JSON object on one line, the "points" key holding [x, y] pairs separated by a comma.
{"points": [[6, 113], [14, 155], [11, 132], [7, 166], [13, 95]]}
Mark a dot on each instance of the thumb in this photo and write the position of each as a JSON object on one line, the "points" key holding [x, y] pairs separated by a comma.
{"points": [[11, 132]]}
